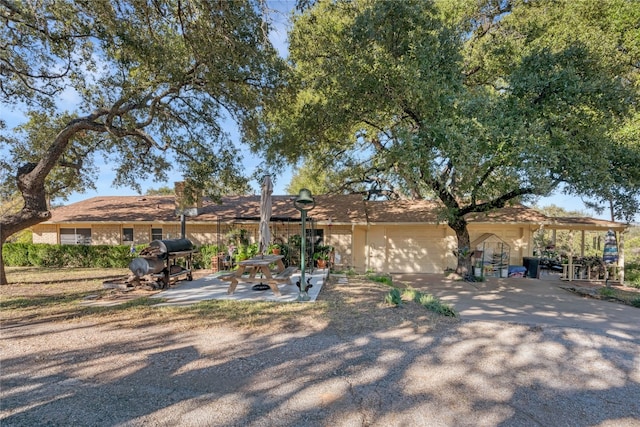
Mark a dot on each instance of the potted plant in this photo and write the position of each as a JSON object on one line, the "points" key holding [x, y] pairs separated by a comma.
{"points": [[321, 259], [275, 249], [488, 270], [242, 254], [477, 269], [322, 255]]}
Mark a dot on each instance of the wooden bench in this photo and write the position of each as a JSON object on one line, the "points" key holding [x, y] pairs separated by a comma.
{"points": [[236, 277], [285, 275]]}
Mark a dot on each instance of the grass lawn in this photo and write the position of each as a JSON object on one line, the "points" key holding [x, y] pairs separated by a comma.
{"points": [[614, 293], [44, 294], [627, 295]]}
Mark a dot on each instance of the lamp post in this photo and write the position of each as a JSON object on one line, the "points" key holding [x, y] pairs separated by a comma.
{"points": [[304, 203]]}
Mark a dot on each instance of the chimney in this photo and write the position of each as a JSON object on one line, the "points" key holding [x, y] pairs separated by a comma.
{"points": [[188, 201]]}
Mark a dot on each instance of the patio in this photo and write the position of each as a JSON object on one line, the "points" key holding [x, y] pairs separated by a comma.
{"points": [[211, 287]]}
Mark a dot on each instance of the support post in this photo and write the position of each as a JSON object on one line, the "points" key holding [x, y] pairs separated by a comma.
{"points": [[304, 203], [303, 295]]}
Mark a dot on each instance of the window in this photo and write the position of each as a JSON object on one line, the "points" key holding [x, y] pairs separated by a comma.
{"points": [[156, 234], [75, 236], [316, 236], [127, 235]]}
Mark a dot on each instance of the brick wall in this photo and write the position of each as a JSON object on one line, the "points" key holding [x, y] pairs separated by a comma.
{"points": [[340, 237], [169, 231], [106, 234], [141, 234], [45, 233], [203, 234]]}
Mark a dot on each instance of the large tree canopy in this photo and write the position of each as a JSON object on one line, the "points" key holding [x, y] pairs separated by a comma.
{"points": [[476, 104], [151, 79]]}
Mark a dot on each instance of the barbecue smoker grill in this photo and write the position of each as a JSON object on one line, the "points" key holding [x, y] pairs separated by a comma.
{"points": [[156, 266]]}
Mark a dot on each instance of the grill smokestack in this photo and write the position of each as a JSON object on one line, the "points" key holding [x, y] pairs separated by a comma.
{"points": [[188, 200]]}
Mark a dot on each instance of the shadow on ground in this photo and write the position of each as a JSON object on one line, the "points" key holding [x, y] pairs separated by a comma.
{"points": [[404, 371]]}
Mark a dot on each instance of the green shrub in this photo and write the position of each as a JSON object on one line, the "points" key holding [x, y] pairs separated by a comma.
{"points": [[428, 301], [252, 250], [606, 292], [106, 256], [351, 272], [632, 274], [412, 294], [199, 261], [58, 256], [202, 258], [16, 254], [434, 304], [38, 256], [393, 297], [78, 256], [379, 278], [123, 255], [103, 257], [636, 302]]}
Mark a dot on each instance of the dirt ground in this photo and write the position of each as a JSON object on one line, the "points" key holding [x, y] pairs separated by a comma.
{"points": [[349, 361]]}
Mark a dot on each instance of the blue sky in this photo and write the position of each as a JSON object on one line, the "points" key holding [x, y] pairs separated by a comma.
{"points": [[278, 37]]}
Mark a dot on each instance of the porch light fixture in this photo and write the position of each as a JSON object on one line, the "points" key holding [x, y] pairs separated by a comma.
{"points": [[304, 203]]}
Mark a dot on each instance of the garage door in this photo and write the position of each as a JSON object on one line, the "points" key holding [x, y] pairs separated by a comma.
{"points": [[411, 253]]}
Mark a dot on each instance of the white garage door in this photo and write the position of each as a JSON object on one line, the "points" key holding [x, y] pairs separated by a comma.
{"points": [[413, 253]]}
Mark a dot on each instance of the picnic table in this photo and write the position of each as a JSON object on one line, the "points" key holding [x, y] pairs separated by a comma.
{"points": [[249, 269]]}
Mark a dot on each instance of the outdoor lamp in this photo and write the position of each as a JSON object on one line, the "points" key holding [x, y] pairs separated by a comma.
{"points": [[304, 203]]}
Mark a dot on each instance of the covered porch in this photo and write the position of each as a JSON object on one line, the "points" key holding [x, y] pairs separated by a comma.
{"points": [[575, 247]]}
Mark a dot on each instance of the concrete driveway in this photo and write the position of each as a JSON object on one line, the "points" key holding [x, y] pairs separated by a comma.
{"points": [[539, 302]]}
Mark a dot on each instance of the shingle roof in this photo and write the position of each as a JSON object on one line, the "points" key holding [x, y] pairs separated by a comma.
{"points": [[510, 214], [118, 209], [426, 211], [339, 209], [403, 211], [583, 222]]}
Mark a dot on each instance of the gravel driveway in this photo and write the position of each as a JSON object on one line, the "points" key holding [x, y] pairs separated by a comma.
{"points": [[490, 369]]}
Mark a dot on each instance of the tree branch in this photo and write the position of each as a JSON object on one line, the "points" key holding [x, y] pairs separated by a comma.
{"points": [[498, 203]]}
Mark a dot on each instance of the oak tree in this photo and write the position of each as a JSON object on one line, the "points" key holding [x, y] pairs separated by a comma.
{"points": [[474, 104], [144, 82]]}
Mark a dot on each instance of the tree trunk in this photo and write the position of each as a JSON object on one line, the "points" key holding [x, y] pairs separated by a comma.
{"points": [[30, 180], [612, 211], [3, 275], [459, 226], [11, 224], [31, 183]]}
